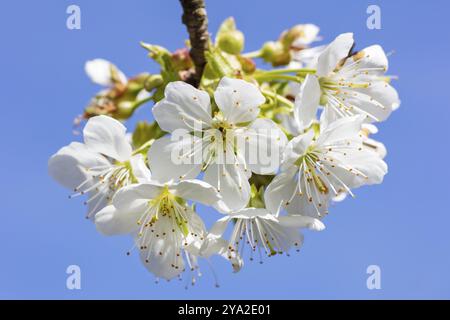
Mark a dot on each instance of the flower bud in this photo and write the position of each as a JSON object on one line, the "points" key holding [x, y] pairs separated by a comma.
{"points": [[231, 42], [275, 53], [247, 64], [289, 36], [152, 82], [181, 60], [229, 38]]}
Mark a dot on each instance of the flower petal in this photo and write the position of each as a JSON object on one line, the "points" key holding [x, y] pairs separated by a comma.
{"points": [[334, 53], [196, 190], [296, 148], [110, 221], [281, 189], [238, 100], [69, 166], [307, 102], [342, 129], [173, 158], [106, 135], [300, 221], [160, 258], [309, 34], [140, 171], [184, 107], [104, 72], [231, 181], [134, 198], [263, 144]]}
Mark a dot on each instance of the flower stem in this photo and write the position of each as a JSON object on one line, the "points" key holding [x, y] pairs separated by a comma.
{"points": [[290, 70], [280, 99], [270, 77], [252, 54]]}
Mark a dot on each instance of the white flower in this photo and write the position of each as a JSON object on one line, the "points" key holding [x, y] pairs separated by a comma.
{"points": [[227, 166], [99, 166], [167, 230], [307, 34], [351, 85], [104, 73], [261, 230], [302, 55], [318, 166]]}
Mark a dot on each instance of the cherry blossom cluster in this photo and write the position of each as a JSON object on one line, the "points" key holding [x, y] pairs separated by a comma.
{"points": [[267, 149]]}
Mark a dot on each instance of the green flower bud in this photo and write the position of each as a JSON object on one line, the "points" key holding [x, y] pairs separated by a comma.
{"points": [[229, 38], [275, 53], [152, 82], [231, 42]]}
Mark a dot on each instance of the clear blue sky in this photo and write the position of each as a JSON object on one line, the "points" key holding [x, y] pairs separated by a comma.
{"points": [[401, 225]]}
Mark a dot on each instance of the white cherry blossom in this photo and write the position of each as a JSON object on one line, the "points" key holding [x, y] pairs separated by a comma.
{"points": [[321, 164], [100, 166], [217, 150], [260, 229], [353, 85], [168, 233]]}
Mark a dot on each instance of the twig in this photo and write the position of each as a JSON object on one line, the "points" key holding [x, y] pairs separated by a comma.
{"points": [[196, 21]]}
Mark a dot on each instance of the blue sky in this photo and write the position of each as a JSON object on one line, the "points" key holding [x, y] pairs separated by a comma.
{"points": [[401, 225]]}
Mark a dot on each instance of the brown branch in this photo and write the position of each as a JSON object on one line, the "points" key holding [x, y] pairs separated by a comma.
{"points": [[196, 21]]}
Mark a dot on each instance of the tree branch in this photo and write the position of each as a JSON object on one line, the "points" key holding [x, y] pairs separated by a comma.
{"points": [[196, 21]]}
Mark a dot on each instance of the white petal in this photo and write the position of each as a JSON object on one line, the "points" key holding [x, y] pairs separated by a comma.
{"points": [[168, 158], [307, 102], [215, 244], [383, 93], [220, 247], [368, 163], [140, 171], [340, 130], [299, 221], [231, 182], [110, 221], [335, 52], [365, 101], [184, 107], [69, 166], [263, 142], [196, 190], [134, 198], [288, 122], [160, 257], [280, 190], [106, 135], [308, 57], [100, 72], [218, 228], [309, 35], [239, 100], [373, 57], [296, 148]]}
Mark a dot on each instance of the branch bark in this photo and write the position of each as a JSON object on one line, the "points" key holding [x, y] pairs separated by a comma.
{"points": [[196, 21]]}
